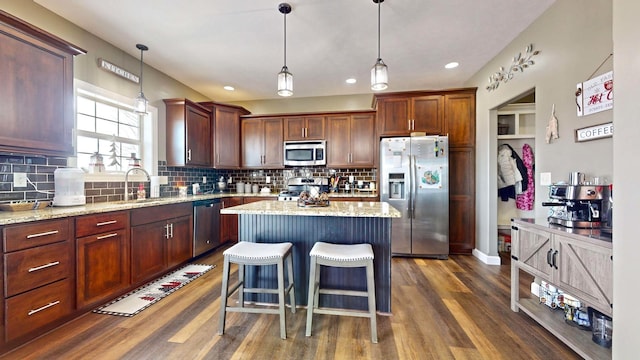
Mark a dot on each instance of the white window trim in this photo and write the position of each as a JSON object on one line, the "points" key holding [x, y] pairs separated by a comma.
{"points": [[149, 137]]}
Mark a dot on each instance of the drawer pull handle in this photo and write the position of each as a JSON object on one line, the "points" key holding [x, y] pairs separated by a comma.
{"points": [[31, 312], [106, 236], [106, 223], [44, 266], [42, 234]]}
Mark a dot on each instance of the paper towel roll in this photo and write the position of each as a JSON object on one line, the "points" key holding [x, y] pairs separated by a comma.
{"points": [[155, 187]]}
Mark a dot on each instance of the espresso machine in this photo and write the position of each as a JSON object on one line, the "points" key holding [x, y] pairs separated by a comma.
{"points": [[579, 206]]}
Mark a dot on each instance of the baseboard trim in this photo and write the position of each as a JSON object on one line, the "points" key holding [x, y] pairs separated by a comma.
{"points": [[489, 260]]}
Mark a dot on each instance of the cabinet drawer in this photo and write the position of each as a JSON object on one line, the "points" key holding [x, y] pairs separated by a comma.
{"points": [[18, 237], [98, 223], [159, 213], [28, 269], [37, 308]]}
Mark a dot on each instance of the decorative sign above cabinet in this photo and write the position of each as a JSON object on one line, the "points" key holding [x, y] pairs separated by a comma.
{"points": [[107, 66], [594, 132]]}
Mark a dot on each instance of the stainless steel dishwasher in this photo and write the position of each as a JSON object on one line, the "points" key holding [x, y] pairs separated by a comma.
{"points": [[206, 225]]}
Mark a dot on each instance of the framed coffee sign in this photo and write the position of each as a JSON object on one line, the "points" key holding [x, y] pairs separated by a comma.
{"points": [[594, 132]]}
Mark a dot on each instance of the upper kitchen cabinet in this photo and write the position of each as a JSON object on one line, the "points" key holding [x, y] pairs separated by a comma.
{"points": [[36, 89], [188, 133], [226, 134], [351, 140], [460, 118], [401, 114], [262, 143], [304, 128]]}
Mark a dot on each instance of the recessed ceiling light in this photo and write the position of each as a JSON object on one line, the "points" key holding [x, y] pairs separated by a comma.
{"points": [[351, 81], [451, 65], [229, 88]]}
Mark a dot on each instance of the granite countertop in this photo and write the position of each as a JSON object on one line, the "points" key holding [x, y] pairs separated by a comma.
{"points": [[335, 208], [11, 217]]}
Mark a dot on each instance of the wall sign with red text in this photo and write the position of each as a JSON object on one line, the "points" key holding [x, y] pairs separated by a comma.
{"points": [[595, 95]]}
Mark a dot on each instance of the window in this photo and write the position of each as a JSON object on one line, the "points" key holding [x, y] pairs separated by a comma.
{"points": [[106, 124]]}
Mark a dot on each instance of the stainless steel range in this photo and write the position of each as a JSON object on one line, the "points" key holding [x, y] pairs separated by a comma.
{"points": [[296, 185]]}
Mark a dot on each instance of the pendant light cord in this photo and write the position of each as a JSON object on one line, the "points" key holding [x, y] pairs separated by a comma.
{"points": [[285, 40], [141, 62], [379, 1]]}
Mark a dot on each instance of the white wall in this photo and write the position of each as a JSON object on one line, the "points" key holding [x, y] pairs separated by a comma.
{"points": [[626, 247], [573, 40]]}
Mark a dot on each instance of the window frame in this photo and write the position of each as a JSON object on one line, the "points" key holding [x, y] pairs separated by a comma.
{"points": [[148, 132]]}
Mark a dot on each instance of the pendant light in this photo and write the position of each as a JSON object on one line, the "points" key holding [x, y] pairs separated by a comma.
{"points": [[140, 104], [379, 76], [285, 78]]}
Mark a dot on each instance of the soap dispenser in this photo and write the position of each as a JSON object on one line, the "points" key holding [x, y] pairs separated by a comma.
{"points": [[142, 194]]}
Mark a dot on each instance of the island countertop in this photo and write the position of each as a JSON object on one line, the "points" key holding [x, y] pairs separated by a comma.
{"points": [[370, 209]]}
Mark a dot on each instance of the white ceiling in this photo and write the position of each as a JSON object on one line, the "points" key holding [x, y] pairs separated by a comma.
{"points": [[207, 44]]}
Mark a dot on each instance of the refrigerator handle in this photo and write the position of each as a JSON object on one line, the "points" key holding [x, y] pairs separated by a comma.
{"points": [[413, 185]]}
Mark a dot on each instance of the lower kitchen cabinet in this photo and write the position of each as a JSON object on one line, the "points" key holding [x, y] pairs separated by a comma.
{"points": [[581, 266], [229, 222], [102, 257], [38, 277], [161, 238]]}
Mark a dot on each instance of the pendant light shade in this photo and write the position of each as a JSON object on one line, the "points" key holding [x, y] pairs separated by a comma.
{"points": [[140, 103], [379, 75], [285, 78]]}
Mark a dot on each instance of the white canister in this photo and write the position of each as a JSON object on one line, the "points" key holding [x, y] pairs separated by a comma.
{"points": [[240, 187], [247, 188], [69, 187], [255, 188]]}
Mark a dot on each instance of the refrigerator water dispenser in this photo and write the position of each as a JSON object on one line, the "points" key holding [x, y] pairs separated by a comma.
{"points": [[396, 186]]}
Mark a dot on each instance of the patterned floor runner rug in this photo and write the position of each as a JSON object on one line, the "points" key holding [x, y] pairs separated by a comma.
{"points": [[149, 294]]}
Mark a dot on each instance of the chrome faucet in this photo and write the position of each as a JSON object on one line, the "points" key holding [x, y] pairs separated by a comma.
{"points": [[126, 180]]}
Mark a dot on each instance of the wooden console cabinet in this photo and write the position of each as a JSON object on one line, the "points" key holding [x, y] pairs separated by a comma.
{"points": [[579, 265]]}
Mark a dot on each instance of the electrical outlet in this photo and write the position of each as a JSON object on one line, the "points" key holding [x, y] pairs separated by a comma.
{"points": [[545, 179], [204, 179], [19, 180], [268, 179]]}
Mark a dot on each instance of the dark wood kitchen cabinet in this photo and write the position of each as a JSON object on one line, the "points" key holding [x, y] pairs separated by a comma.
{"points": [[36, 89], [38, 277], [262, 141], [161, 239], [304, 128], [102, 257], [226, 134], [229, 222], [188, 133], [401, 115], [351, 140]]}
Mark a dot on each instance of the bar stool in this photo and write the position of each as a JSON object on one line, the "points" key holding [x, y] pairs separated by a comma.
{"points": [[358, 255], [258, 254]]}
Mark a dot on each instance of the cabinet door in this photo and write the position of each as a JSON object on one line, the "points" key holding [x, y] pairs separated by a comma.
{"points": [[362, 139], [535, 251], [315, 128], [198, 127], [394, 116], [36, 91], [102, 266], [585, 271], [427, 114], [226, 138], [252, 142], [338, 141], [294, 128], [229, 222], [462, 226], [148, 246], [460, 119], [180, 242], [272, 156]]}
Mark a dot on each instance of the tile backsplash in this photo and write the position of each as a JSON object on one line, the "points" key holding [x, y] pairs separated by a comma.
{"points": [[40, 184]]}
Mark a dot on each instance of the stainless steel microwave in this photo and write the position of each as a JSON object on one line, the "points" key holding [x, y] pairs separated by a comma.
{"points": [[305, 153]]}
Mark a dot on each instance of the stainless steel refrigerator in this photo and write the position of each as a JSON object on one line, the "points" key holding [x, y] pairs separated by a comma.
{"points": [[414, 178]]}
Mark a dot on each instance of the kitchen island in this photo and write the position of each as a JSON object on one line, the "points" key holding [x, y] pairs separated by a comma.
{"points": [[341, 223]]}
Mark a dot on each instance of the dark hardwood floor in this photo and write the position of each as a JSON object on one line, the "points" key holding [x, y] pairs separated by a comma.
{"points": [[442, 309]]}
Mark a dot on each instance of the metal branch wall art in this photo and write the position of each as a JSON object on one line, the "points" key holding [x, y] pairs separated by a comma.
{"points": [[520, 62]]}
